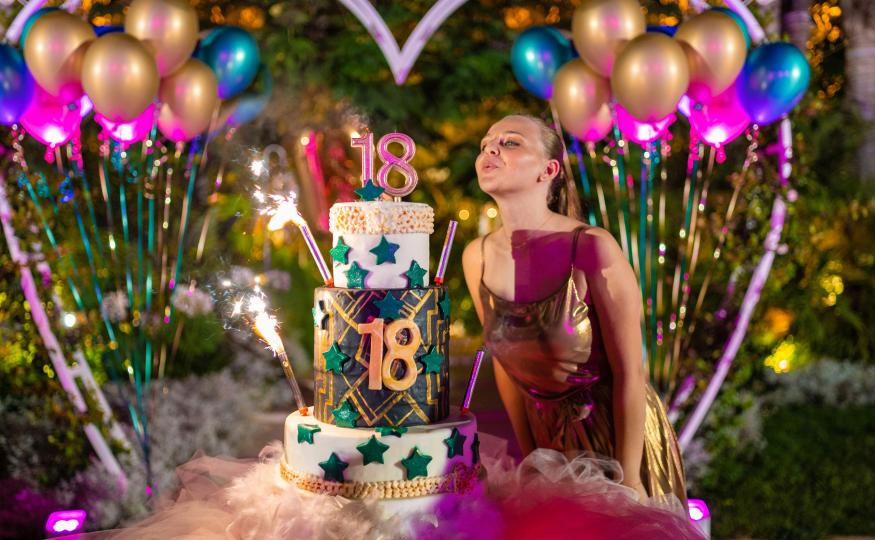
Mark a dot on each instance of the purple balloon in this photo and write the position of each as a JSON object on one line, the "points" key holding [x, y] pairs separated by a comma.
{"points": [[129, 132], [721, 120], [49, 120], [641, 132]]}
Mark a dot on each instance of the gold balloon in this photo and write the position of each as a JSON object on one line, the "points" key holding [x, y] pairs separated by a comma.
{"points": [[715, 49], [590, 128], [168, 28], [602, 27], [120, 77], [650, 76], [578, 94], [54, 51], [190, 97]]}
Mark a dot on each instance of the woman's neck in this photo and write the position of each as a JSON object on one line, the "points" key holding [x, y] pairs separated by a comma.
{"points": [[521, 214]]}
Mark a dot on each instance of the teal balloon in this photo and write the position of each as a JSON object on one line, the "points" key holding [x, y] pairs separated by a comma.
{"points": [[738, 20], [536, 56], [251, 102], [773, 80], [232, 54], [16, 85], [28, 24]]}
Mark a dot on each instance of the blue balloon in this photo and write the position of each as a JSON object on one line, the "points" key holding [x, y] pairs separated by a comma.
{"points": [[773, 80], [251, 102], [232, 54], [16, 85], [663, 29], [536, 56], [28, 24], [738, 20], [103, 30]]}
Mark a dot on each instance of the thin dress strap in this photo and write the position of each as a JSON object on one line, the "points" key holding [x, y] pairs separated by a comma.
{"points": [[574, 248], [483, 257]]}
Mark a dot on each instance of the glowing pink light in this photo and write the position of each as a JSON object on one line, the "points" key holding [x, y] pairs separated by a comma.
{"points": [[698, 509], [65, 521], [129, 132], [641, 132]]}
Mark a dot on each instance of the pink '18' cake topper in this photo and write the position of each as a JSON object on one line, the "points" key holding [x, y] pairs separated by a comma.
{"points": [[390, 161]]}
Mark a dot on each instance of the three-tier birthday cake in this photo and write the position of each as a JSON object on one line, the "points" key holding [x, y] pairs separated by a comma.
{"points": [[381, 425]]}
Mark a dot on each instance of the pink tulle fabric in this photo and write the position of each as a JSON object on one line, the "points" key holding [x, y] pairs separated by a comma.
{"points": [[546, 496]]}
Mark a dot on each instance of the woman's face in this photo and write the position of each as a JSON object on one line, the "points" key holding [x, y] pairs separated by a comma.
{"points": [[512, 158]]}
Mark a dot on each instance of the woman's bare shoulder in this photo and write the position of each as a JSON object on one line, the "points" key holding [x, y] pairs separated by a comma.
{"points": [[472, 254]]}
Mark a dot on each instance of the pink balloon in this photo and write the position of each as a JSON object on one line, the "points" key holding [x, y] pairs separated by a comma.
{"points": [[685, 104], [641, 132], [129, 132], [49, 120], [721, 120]]}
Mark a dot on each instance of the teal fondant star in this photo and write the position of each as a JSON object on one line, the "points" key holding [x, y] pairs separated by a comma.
{"points": [[397, 431], [390, 307], [355, 276], [415, 275], [445, 305], [345, 415], [372, 451], [455, 443], [319, 315], [369, 191], [475, 449], [334, 467], [416, 464], [385, 251], [335, 358], [306, 432], [340, 251], [432, 361]]}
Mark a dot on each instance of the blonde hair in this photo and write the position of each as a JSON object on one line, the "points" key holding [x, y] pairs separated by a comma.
{"points": [[562, 197]]}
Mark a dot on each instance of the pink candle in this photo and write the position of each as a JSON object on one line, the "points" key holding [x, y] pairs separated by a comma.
{"points": [[445, 252], [475, 371]]}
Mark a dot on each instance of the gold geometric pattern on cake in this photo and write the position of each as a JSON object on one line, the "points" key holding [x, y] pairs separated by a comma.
{"points": [[422, 403]]}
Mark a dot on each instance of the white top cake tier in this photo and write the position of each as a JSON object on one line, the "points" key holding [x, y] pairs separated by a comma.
{"points": [[380, 244]]}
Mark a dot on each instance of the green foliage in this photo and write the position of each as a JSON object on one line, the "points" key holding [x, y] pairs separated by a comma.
{"points": [[813, 479]]}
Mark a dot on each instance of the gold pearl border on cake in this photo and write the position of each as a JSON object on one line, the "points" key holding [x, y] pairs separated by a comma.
{"points": [[460, 480]]}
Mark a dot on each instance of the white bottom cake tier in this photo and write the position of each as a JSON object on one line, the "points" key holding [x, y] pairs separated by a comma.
{"points": [[408, 470]]}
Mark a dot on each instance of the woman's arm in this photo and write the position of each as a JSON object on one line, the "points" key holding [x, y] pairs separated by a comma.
{"points": [[616, 294], [511, 396]]}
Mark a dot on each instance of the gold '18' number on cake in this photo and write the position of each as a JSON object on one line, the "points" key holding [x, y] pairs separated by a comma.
{"points": [[380, 372]]}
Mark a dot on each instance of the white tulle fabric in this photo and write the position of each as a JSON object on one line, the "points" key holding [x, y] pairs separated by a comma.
{"points": [[546, 496]]}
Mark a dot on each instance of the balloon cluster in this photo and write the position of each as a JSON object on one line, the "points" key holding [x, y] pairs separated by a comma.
{"points": [[151, 72], [701, 67]]}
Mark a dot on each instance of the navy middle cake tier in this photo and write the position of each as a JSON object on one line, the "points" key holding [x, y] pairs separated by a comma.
{"points": [[381, 356]]}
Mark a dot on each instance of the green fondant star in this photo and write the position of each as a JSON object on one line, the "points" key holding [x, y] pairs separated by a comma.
{"points": [[432, 361], [340, 252], [415, 275], [334, 467], [385, 251], [445, 305], [306, 432], [319, 315], [416, 464], [355, 276], [335, 358], [345, 415], [455, 443], [369, 191], [390, 307], [475, 449], [372, 451], [397, 431]]}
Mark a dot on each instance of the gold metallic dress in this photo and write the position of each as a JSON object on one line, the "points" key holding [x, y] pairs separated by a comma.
{"points": [[529, 339]]}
